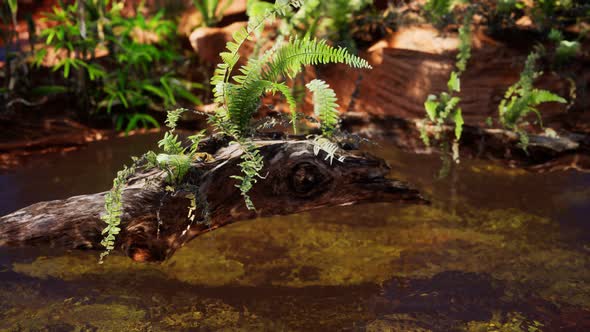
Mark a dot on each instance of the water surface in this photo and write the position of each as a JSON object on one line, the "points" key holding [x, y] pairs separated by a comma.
{"points": [[498, 250]]}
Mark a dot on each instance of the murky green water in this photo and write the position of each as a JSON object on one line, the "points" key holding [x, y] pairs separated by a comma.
{"points": [[499, 250]]}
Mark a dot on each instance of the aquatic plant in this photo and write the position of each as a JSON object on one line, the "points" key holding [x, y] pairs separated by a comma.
{"points": [[140, 47], [522, 99], [444, 108]]}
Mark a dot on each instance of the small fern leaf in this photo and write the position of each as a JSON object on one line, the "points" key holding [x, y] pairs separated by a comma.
{"points": [[544, 96], [239, 37], [325, 106], [431, 105], [330, 148], [252, 71], [454, 83], [297, 53], [243, 101], [458, 119], [286, 91]]}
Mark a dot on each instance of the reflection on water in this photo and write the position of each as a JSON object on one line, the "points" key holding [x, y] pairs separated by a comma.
{"points": [[57, 176], [499, 250]]}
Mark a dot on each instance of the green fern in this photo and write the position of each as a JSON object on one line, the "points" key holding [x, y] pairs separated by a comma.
{"points": [[239, 96], [444, 108], [221, 75], [174, 161], [325, 106], [252, 162], [464, 42], [522, 99], [251, 166], [113, 203], [290, 58]]}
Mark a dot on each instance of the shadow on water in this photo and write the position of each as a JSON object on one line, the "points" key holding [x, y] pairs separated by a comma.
{"points": [[499, 250]]}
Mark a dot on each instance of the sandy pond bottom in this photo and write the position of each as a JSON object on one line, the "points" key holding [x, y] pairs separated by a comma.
{"points": [[498, 250]]}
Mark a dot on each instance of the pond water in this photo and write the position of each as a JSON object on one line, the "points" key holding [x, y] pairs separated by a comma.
{"points": [[498, 250]]}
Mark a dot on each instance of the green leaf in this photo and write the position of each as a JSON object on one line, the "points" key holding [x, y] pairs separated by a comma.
{"points": [[139, 117], [458, 119], [13, 4], [325, 106], [95, 71], [48, 90], [186, 94], [66, 68], [454, 83], [123, 100], [155, 90], [431, 106], [544, 96], [177, 165]]}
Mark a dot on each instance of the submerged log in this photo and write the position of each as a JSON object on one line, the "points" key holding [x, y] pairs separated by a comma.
{"points": [[155, 222]]}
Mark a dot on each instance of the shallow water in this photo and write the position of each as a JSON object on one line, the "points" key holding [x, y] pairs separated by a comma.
{"points": [[498, 250]]}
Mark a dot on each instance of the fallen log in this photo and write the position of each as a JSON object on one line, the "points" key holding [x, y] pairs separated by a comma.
{"points": [[155, 223], [544, 153]]}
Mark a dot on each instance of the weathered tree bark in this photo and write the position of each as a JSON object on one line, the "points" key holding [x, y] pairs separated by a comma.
{"points": [[155, 221]]}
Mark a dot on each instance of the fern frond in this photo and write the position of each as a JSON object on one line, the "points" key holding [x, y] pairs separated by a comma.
{"points": [[173, 116], [231, 57], [175, 165], [170, 143], [325, 106], [244, 101], [290, 58], [229, 60], [113, 204], [543, 96], [522, 98], [252, 71], [251, 166], [286, 91], [529, 73], [330, 148], [464, 42]]}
